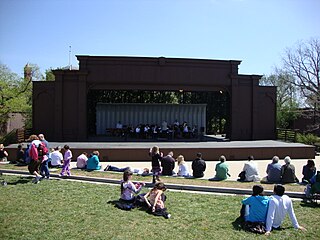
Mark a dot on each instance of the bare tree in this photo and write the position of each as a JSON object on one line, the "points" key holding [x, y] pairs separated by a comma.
{"points": [[303, 62]]}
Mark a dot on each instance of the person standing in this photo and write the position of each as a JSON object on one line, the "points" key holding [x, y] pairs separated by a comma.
{"points": [[279, 206], [66, 161], [222, 170], [167, 164], [156, 156], [198, 166]]}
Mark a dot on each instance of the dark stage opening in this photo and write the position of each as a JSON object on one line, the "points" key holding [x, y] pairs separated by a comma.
{"points": [[217, 107]]}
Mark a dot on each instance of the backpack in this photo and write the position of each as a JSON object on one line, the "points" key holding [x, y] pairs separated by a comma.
{"points": [[42, 151]]}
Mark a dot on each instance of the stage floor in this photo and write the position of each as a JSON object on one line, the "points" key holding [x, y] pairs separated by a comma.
{"points": [[233, 150]]}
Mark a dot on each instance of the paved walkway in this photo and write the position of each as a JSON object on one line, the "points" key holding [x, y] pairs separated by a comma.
{"points": [[235, 167]]}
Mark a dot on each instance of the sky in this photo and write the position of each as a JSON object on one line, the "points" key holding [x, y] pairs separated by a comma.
{"points": [[257, 32]]}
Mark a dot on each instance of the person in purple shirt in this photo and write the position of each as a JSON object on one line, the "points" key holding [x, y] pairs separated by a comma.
{"points": [[66, 161]]}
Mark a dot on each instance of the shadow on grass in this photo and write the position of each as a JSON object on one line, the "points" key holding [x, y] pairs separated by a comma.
{"points": [[310, 204], [238, 223], [21, 180]]}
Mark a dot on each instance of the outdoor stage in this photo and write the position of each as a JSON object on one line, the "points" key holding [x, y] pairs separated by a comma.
{"points": [[211, 150]]}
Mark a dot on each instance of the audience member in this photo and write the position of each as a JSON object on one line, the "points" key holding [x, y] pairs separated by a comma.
{"points": [[93, 162], [44, 167], [3, 154], [20, 155], [138, 171], [164, 126], [255, 207], [198, 166], [128, 188], [167, 164], [156, 200], [288, 172], [274, 171], [67, 157], [43, 140], [56, 158], [308, 171], [313, 187], [156, 156], [315, 183], [116, 169], [279, 206], [37, 153], [183, 168], [251, 170], [82, 160], [222, 170]]}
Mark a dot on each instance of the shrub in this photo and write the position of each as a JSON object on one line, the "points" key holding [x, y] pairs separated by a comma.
{"points": [[309, 138]]}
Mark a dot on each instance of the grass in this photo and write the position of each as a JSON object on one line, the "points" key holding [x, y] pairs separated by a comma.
{"points": [[59, 209], [202, 182]]}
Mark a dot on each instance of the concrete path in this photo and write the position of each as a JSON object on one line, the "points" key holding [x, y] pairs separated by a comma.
{"points": [[235, 167]]}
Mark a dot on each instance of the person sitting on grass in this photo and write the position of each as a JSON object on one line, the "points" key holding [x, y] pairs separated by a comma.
{"points": [[222, 170], [198, 166], [279, 206], [138, 171], [156, 200], [167, 164], [308, 171], [20, 155], [82, 160], [128, 188], [56, 158], [183, 168], [251, 170], [254, 210], [3, 154], [273, 171], [93, 162], [288, 172]]}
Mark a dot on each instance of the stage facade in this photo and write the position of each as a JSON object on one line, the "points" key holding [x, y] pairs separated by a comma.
{"points": [[76, 104]]}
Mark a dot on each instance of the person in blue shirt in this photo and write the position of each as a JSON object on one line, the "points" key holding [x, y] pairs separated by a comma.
{"points": [[93, 162], [256, 206]]}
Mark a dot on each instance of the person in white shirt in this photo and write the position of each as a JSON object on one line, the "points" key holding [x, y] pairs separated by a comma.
{"points": [[82, 160], [251, 170], [279, 206], [183, 168], [56, 157]]}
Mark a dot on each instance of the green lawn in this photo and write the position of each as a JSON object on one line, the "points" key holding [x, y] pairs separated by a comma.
{"points": [[59, 209]]}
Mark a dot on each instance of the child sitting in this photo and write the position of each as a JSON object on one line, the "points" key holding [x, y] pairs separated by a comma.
{"points": [[128, 188], [156, 200]]}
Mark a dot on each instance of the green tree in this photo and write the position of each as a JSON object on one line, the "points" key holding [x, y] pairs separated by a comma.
{"points": [[15, 95], [287, 101], [49, 75]]}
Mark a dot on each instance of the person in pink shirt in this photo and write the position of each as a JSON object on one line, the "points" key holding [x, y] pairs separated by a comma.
{"points": [[66, 161]]}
